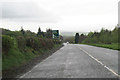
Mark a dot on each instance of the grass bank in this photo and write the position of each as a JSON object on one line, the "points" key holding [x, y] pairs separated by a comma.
{"points": [[17, 58], [25, 63], [113, 46], [22, 47]]}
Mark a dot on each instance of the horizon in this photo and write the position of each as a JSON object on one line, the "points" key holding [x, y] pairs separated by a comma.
{"points": [[66, 33]]}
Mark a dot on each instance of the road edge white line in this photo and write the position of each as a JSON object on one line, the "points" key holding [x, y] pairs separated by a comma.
{"points": [[101, 63]]}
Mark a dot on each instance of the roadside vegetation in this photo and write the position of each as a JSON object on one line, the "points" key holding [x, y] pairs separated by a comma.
{"points": [[105, 38], [19, 47], [110, 46]]}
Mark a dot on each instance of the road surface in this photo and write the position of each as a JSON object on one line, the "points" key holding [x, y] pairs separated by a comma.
{"points": [[77, 61]]}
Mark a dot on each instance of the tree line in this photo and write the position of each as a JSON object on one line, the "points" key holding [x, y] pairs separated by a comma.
{"points": [[40, 33], [105, 36]]}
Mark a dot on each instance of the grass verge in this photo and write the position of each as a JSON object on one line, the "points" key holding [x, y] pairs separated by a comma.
{"points": [[27, 63], [16, 58], [114, 46]]}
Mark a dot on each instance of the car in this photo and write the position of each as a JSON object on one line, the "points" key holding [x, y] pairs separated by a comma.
{"points": [[67, 42]]}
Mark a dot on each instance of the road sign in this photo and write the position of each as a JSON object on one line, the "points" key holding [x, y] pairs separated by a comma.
{"points": [[55, 34]]}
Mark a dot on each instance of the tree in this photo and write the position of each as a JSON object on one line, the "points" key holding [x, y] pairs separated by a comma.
{"points": [[81, 38], [22, 30], [115, 35], [42, 33], [39, 32], [76, 38], [49, 33]]}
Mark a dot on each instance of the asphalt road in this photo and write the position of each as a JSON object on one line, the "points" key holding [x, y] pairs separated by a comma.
{"points": [[77, 61]]}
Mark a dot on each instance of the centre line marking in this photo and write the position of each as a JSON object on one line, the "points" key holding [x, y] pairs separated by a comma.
{"points": [[101, 63]]}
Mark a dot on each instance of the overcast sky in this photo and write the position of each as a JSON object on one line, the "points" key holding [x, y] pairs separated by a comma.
{"points": [[64, 15]]}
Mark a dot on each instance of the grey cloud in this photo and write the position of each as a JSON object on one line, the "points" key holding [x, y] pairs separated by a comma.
{"points": [[26, 12]]}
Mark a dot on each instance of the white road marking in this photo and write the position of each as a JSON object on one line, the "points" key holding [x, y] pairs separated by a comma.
{"points": [[25, 74], [101, 63]]}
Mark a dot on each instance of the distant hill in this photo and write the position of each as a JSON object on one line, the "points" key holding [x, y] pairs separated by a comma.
{"points": [[72, 33]]}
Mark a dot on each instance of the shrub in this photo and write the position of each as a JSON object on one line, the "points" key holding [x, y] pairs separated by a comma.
{"points": [[43, 43], [7, 43], [33, 43], [30, 42], [55, 41], [21, 42], [49, 43]]}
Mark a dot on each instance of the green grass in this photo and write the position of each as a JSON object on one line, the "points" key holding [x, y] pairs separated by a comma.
{"points": [[110, 46], [15, 58]]}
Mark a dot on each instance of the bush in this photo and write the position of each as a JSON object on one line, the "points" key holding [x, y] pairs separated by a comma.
{"points": [[46, 43], [43, 43], [38, 43], [49, 43], [32, 42], [21, 42], [7, 43], [57, 41]]}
